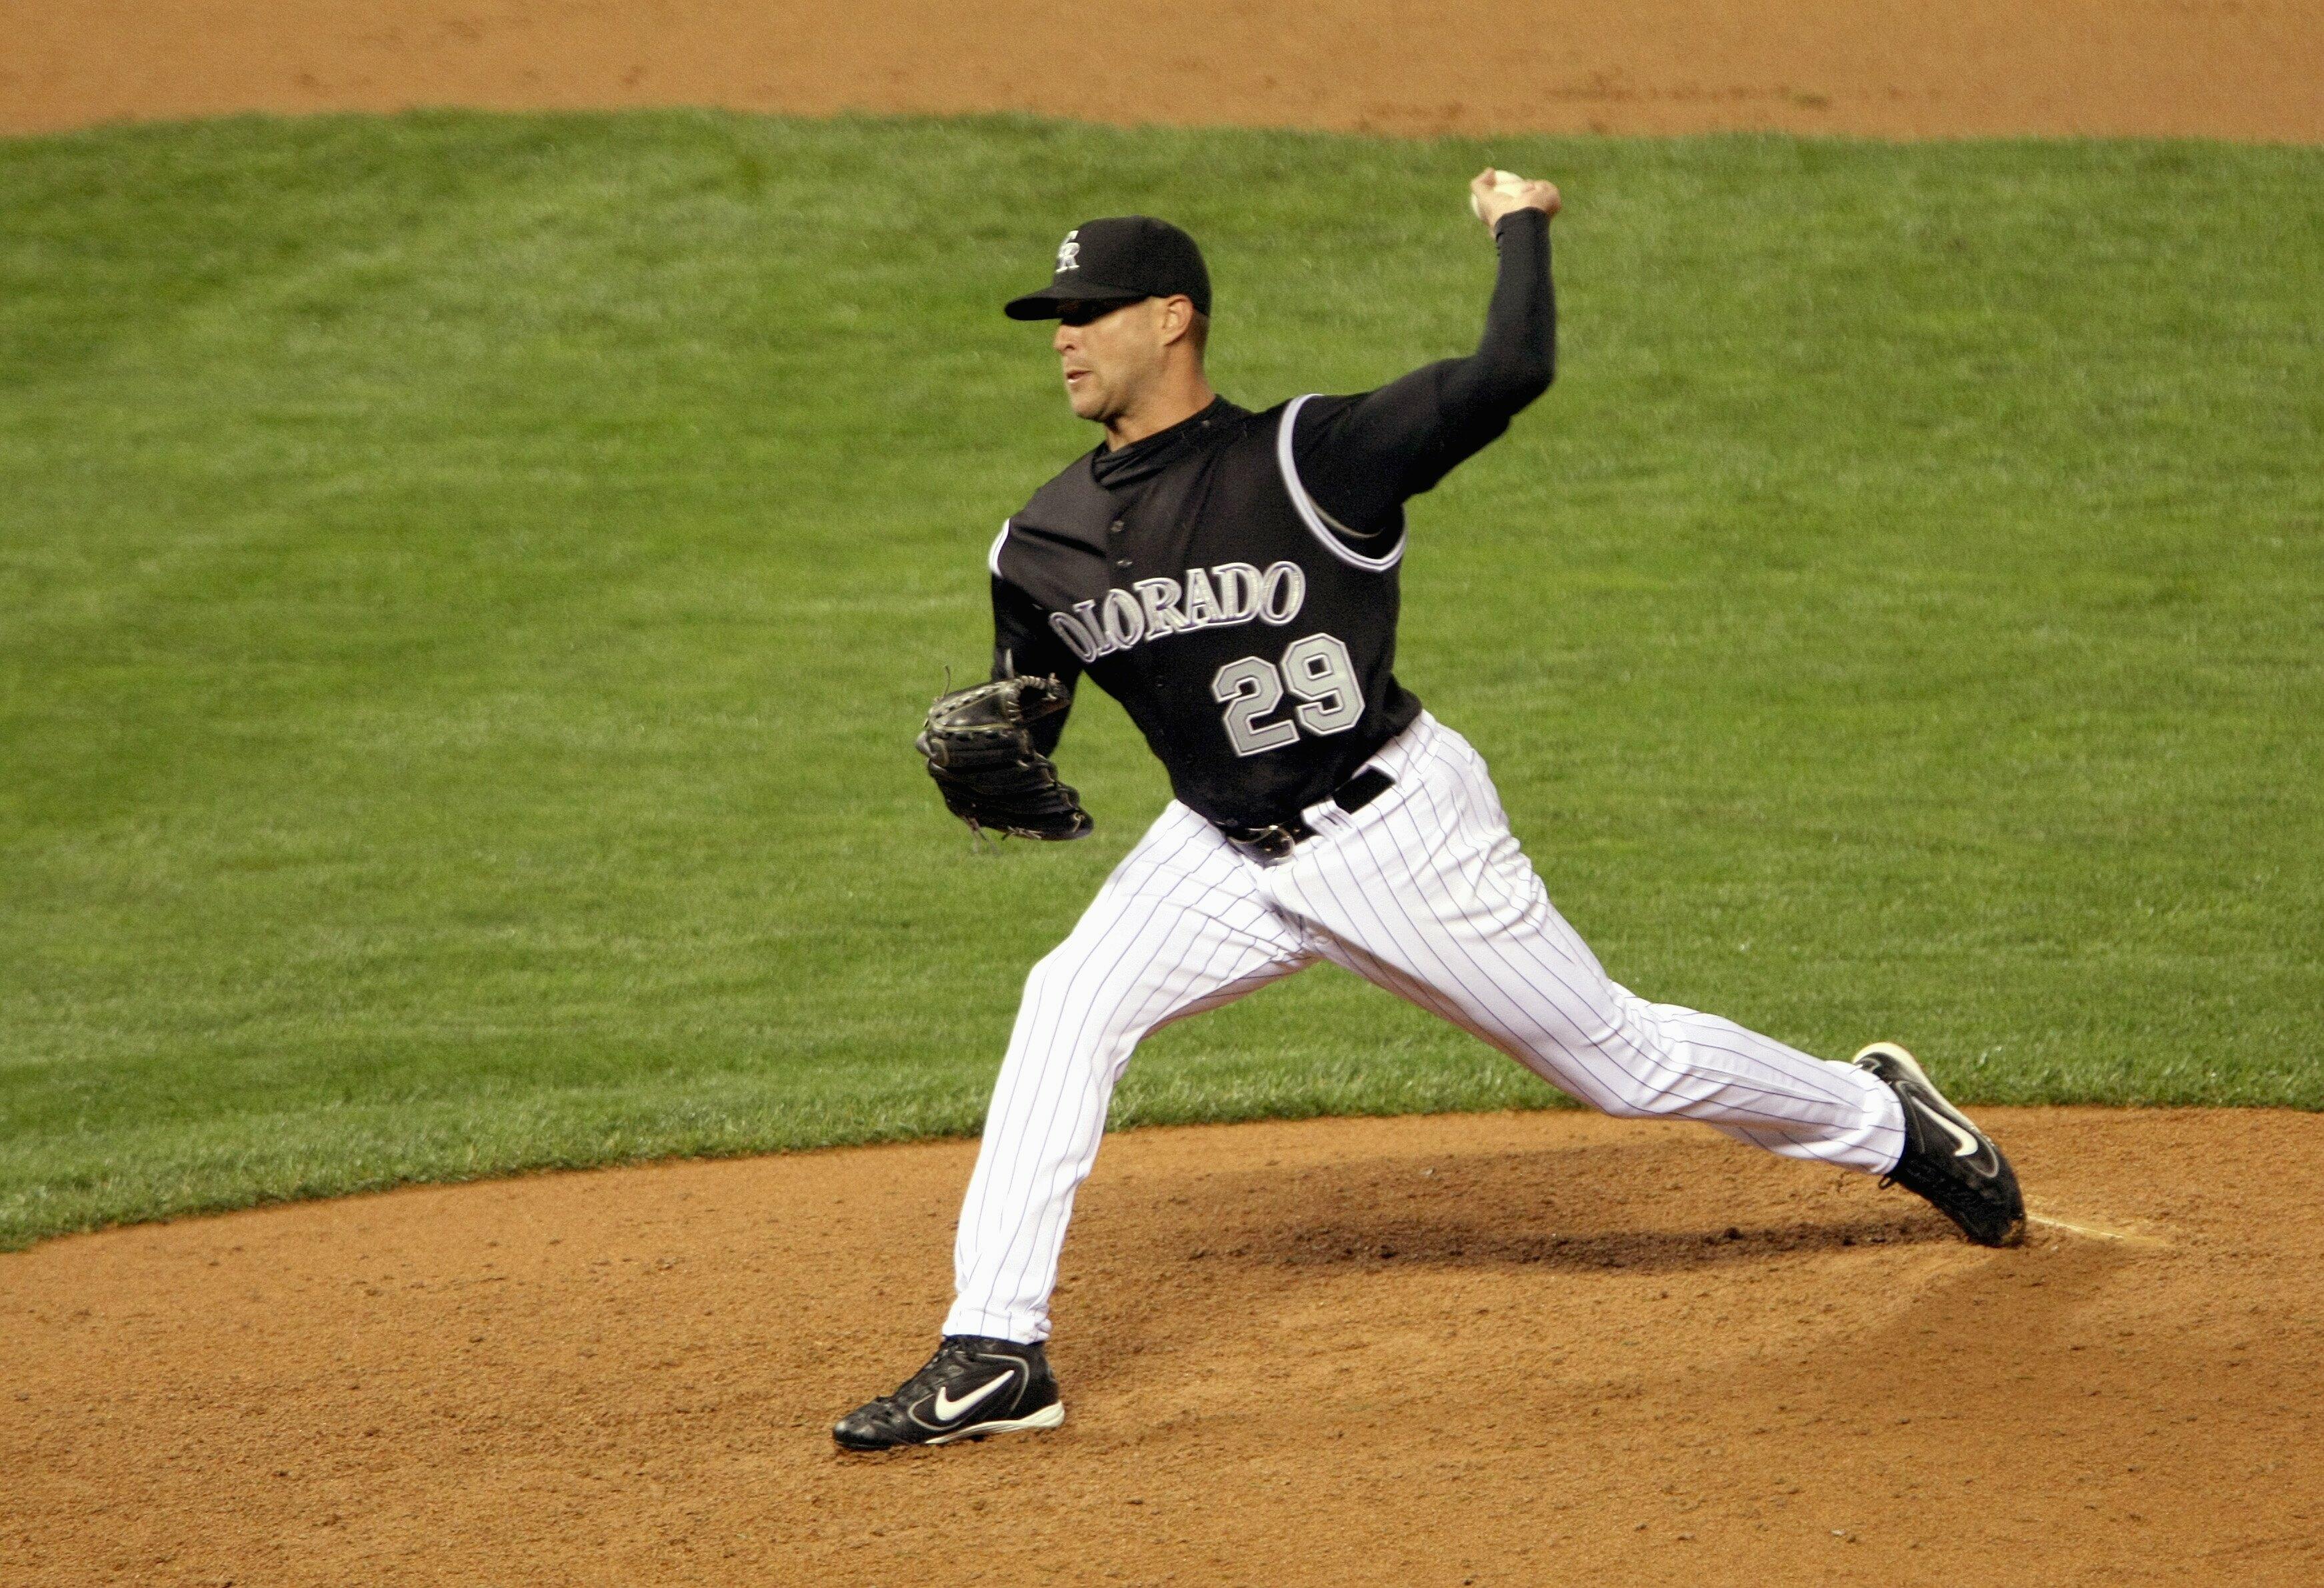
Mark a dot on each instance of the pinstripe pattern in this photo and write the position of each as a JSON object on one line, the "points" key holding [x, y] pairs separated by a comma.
{"points": [[1425, 891]]}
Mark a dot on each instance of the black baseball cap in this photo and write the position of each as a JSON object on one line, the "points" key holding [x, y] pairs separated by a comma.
{"points": [[1120, 258]]}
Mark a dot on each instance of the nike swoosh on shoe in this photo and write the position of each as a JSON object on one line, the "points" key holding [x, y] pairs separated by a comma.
{"points": [[1969, 1145], [950, 1410]]}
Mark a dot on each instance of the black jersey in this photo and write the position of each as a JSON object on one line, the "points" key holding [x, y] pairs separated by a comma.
{"points": [[1251, 647], [1232, 580]]}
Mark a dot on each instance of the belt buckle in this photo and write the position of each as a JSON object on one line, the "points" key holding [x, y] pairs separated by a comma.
{"points": [[1270, 843]]}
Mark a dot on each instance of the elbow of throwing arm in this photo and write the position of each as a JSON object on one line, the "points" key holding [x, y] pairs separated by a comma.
{"points": [[1528, 380]]}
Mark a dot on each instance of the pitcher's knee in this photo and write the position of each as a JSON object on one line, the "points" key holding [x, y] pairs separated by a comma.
{"points": [[1647, 1102], [1070, 1007], [1040, 979], [1624, 1105], [1633, 1090], [1055, 976]]}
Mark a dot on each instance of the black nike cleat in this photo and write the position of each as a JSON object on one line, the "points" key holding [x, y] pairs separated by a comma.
{"points": [[972, 1387], [1947, 1159]]}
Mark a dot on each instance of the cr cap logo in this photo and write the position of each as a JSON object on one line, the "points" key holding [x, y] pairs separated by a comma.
{"points": [[1069, 252]]}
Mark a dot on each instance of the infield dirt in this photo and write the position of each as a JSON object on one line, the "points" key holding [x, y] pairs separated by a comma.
{"points": [[1500, 1349], [2228, 68]]}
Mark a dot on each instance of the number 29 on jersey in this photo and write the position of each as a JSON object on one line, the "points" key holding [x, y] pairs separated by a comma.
{"points": [[1315, 670]]}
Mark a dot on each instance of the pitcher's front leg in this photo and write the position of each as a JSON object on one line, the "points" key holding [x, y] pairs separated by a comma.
{"points": [[1176, 929]]}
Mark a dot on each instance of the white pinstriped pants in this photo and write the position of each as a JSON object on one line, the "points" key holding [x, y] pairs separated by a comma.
{"points": [[1425, 891]]}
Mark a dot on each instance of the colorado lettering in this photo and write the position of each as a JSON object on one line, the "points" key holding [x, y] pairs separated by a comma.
{"points": [[1151, 609]]}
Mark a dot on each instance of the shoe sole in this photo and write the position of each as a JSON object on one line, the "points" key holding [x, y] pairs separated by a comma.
{"points": [[1051, 1415], [1912, 1071], [1912, 1066]]}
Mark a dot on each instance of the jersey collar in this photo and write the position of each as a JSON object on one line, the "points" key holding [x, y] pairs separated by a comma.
{"points": [[1144, 458]]}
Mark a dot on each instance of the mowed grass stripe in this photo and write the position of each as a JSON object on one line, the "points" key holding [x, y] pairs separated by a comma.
{"points": [[467, 585]]}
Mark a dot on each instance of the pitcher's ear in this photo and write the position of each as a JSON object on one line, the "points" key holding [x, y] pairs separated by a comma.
{"points": [[1182, 322]]}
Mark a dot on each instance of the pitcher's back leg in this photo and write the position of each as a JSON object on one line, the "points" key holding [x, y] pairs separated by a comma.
{"points": [[1427, 893]]}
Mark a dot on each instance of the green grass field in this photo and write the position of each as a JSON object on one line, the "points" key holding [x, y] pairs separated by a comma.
{"points": [[467, 585]]}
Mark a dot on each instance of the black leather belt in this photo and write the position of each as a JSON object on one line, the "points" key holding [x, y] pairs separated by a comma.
{"points": [[1276, 842]]}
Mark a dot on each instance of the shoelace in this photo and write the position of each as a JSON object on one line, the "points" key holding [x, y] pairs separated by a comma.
{"points": [[951, 1353], [920, 1383]]}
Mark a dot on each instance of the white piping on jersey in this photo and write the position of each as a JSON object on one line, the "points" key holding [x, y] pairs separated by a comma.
{"points": [[992, 558], [1322, 524]]}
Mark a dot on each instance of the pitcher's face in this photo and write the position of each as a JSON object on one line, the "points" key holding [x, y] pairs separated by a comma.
{"points": [[1111, 354]]}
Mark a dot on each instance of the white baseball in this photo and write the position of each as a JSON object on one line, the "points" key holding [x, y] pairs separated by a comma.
{"points": [[1504, 181]]}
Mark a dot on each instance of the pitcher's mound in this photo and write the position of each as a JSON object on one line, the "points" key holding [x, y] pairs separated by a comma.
{"points": [[1491, 1349]]}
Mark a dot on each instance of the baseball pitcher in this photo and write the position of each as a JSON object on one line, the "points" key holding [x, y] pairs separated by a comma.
{"points": [[1231, 577]]}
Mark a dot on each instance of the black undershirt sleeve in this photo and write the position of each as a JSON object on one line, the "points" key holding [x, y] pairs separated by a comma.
{"points": [[1362, 457], [1025, 646]]}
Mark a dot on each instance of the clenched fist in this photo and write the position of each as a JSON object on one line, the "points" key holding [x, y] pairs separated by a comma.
{"points": [[1493, 194]]}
